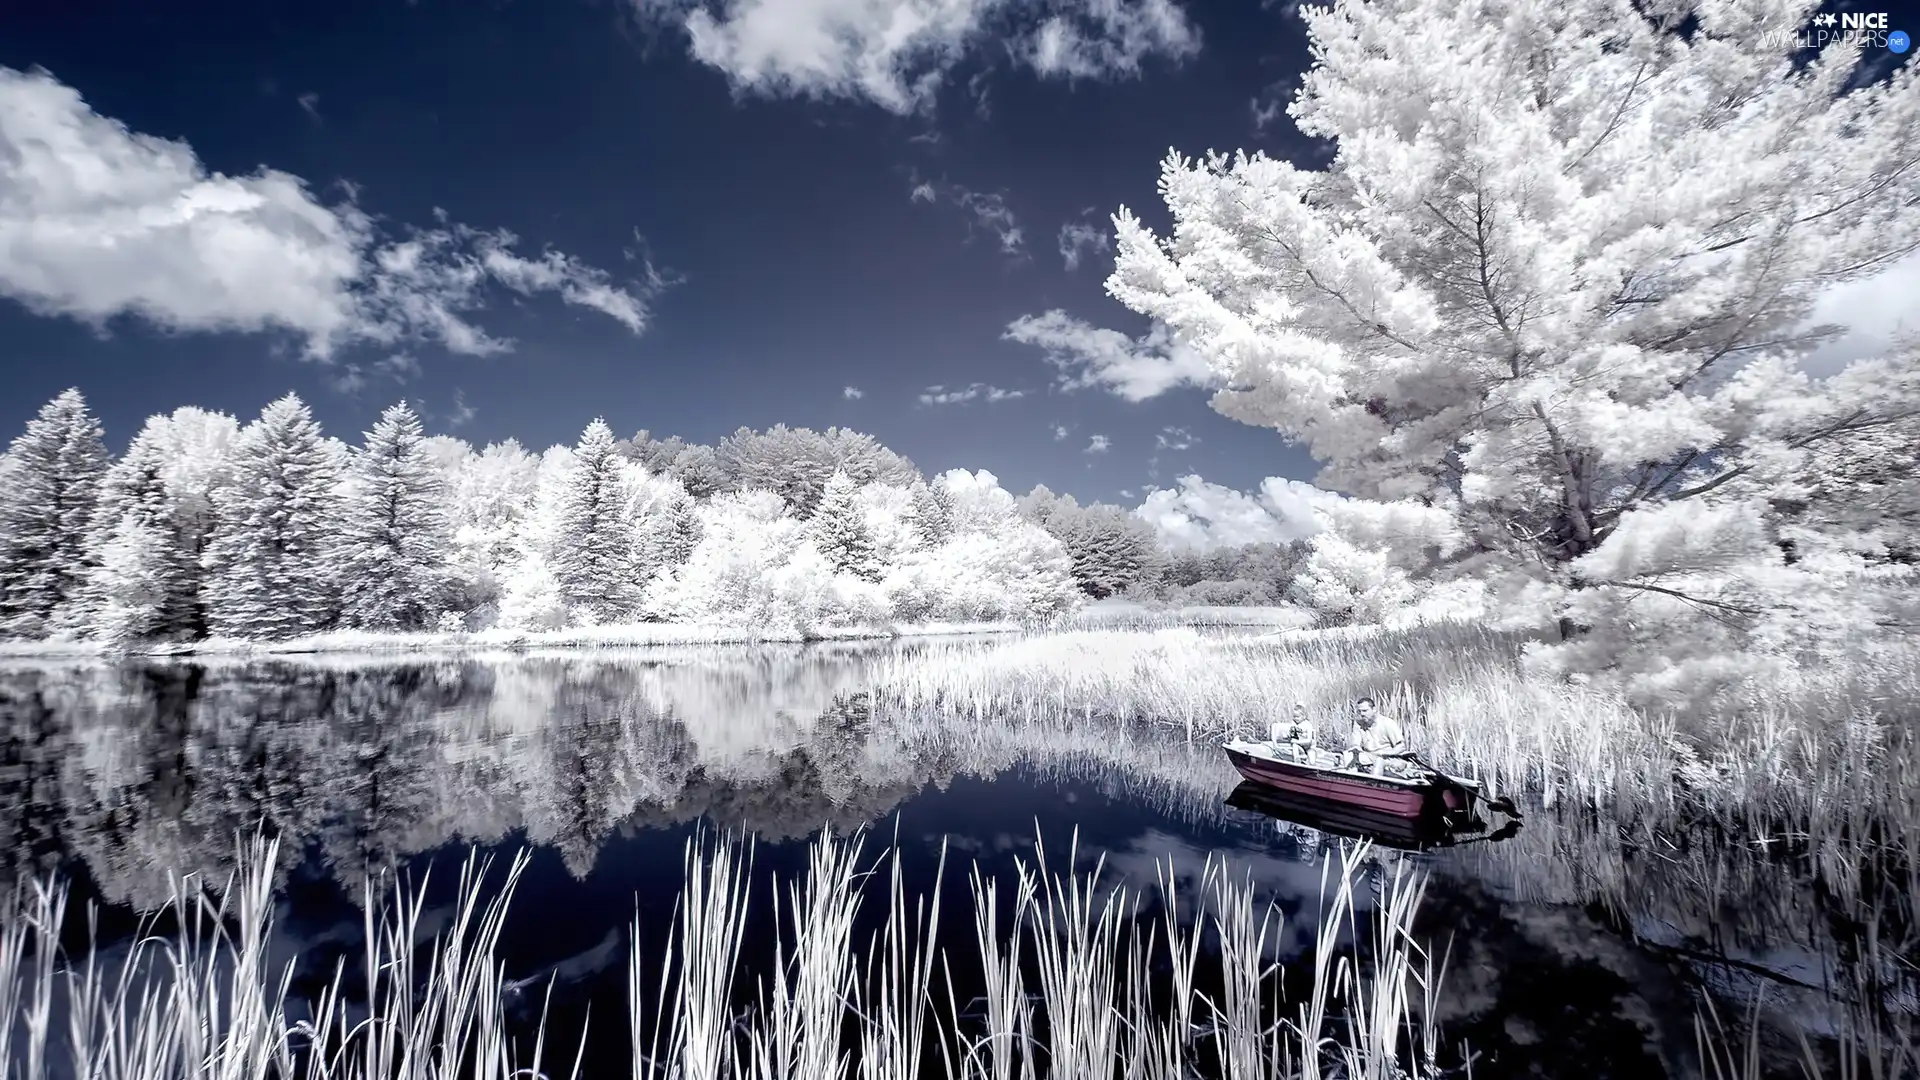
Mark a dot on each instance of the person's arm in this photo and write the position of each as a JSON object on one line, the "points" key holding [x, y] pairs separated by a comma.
{"points": [[1393, 738]]}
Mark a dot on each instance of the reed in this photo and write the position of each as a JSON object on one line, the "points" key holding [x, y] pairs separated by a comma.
{"points": [[1074, 985], [1823, 744]]}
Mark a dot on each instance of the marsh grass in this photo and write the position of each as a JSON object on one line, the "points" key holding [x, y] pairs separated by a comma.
{"points": [[1075, 977], [1822, 749]]}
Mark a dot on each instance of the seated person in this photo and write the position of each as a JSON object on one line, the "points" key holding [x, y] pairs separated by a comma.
{"points": [[1376, 739], [1296, 734]]}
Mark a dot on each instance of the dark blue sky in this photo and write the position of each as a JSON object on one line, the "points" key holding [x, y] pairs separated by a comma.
{"points": [[799, 263]]}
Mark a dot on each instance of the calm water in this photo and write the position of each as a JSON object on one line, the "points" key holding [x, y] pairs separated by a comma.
{"points": [[1579, 946]]}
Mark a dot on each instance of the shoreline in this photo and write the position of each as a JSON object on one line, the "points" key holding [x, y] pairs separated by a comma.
{"points": [[632, 636]]}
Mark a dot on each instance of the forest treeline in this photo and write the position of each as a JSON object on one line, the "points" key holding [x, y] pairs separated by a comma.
{"points": [[208, 528]]}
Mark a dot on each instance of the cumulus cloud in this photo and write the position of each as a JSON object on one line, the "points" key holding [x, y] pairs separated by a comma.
{"points": [[852, 393], [1099, 444], [1202, 516], [985, 210], [1077, 237], [941, 395], [1060, 432], [97, 221], [898, 53], [1086, 355], [1876, 312]]}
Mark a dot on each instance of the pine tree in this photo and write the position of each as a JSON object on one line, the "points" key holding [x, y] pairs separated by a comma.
{"points": [[397, 545], [932, 519], [841, 533], [668, 535], [133, 577], [46, 513], [273, 567], [593, 544], [132, 567]]}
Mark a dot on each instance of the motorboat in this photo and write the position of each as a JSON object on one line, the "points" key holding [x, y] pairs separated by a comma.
{"points": [[1407, 792]]}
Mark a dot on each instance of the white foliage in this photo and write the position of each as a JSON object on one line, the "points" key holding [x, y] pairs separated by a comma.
{"points": [[1547, 304], [46, 513], [273, 563], [396, 541]]}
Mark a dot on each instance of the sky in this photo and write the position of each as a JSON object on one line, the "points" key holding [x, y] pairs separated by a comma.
{"points": [[686, 216]]}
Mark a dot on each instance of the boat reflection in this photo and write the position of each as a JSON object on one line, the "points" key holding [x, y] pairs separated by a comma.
{"points": [[1360, 823]]}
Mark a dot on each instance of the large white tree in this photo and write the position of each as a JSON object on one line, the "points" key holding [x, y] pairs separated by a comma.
{"points": [[396, 540], [51, 484], [839, 529], [592, 547], [274, 564], [1553, 285], [138, 579]]}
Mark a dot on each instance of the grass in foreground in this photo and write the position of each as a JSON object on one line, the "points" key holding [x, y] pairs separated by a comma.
{"points": [[1078, 983]]}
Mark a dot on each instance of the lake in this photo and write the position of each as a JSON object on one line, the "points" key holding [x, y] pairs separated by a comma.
{"points": [[1580, 945]]}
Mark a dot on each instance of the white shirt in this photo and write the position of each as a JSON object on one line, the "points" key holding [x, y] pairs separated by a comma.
{"points": [[1386, 736], [1300, 731]]}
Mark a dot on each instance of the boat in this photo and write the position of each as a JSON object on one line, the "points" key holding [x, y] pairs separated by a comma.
{"points": [[1423, 795], [1359, 823]]}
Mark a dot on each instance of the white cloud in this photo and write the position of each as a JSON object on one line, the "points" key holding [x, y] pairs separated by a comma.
{"points": [[1876, 311], [1266, 111], [1174, 438], [852, 393], [1079, 236], [353, 377], [1204, 516], [985, 210], [897, 53], [1089, 356], [1060, 432], [463, 413], [941, 395], [97, 221], [1106, 38], [1099, 444], [310, 104]]}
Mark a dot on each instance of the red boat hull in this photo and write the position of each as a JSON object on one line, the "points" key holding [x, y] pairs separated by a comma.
{"points": [[1380, 795]]}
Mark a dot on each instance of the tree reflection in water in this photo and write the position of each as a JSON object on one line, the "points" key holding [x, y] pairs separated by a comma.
{"points": [[127, 777]]}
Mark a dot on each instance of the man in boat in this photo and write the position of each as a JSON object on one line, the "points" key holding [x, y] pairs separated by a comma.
{"points": [[1377, 739], [1296, 733]]}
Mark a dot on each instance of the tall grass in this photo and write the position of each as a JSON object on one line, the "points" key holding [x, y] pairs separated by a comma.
{"points": [[1812, 743], [1072, 974]]}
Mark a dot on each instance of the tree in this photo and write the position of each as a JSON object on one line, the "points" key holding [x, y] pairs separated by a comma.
{"points": [[273, 567], [1553, 282], [932, 517], [840, 531], [396, 542], [669, 525], [47, 503], [592, 546], [1110, 549], [200, 462], [135, 574], [795, 463], [693, 464]]}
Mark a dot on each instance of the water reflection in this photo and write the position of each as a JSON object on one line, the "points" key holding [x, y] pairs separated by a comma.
{"points": [[1576, 941]]}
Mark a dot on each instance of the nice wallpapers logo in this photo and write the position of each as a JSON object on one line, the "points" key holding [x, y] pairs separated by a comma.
{"points": [[1861, 29]]}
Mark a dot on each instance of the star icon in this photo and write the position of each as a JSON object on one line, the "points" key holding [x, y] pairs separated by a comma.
{"points": [[1825, 18]]}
